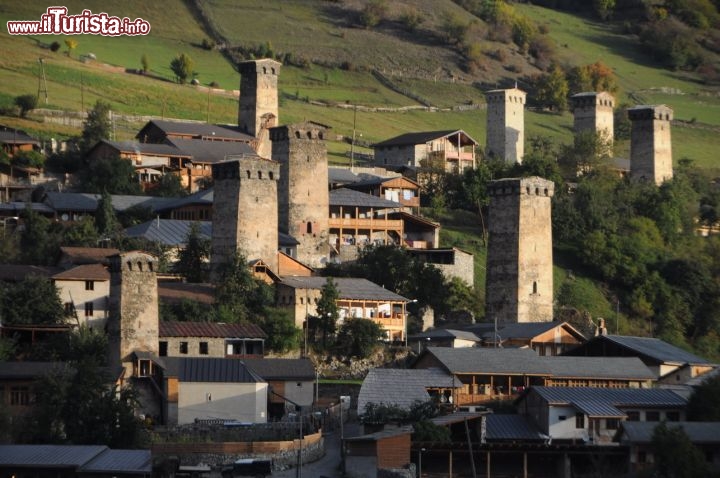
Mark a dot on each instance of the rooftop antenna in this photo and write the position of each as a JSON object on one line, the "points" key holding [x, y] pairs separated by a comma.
{"points": [[42, 82]]}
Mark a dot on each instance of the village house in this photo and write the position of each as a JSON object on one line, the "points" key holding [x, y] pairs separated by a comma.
{"points": [[84, 292], [397, 189], [500, 374], [291, 383], [209, 339], [637, 436], [593, 415], [451, 151], [356, 298], [17, 381], [452, 262], [386, 449], [671, 364]]}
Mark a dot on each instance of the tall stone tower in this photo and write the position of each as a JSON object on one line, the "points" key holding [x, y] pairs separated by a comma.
{"points": [[593, 111], [133, 322], [303, 202], [245, 213], [506, 124], [650, 143], [519, 284], [258, 109]]}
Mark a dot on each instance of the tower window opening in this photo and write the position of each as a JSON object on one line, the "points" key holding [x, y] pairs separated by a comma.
{"points": [[271, 175], [248, 173], [534, 287], [259, 174], [309, 227], [297, 134]]}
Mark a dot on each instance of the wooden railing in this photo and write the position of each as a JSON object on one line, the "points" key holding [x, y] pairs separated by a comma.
{"points": [[478, 398], [358, 223]]}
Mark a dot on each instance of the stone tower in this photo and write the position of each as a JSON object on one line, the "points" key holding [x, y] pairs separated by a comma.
{"points": [[519, 284], [650, 143], [506, 124], [258, 110], [133, 322], [245, 213], [303, 203], [594, 112]]}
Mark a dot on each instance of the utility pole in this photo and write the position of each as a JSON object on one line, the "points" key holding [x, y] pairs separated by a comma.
{"points": [[42, 82], [352, 144]]}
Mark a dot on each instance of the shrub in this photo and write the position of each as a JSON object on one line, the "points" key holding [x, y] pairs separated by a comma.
{"points": [[208, 44], [411, 19], [55, 46], [373, 13], [25, 103]]}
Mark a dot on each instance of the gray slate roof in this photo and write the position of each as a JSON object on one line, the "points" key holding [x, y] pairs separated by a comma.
{"points": [[201, 198], [446, 334], [144, 148], [27, 370], [191, 369], [282, 369], [16, 208], [342, 176], [171, 232], [120, 461], [10, 136], [698, 432], [211, 151], [655, 349], [489, 360], [348, 288], [522, 331], [54, 456], [401, 387], [596, 367], [511, 427], [174, 232], [84, 202], [348, 197]]}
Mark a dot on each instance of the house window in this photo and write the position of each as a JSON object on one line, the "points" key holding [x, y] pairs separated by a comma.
{"points": [[89, 285], [579, 420], [89, 309], [562, 417], [69, 309], [19, 396], [642, 457], [611, 423], [633, 416], [184, 348], [203, 348], [652, 416], [163, 349], [672, 416]]}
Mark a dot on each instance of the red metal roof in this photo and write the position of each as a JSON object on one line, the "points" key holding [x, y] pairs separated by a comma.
{"points": [[209, 329]]}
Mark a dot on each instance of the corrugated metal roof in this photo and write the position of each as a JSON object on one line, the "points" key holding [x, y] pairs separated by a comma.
{"points": [[511, 427], [10, 136], [144, 148], [200, 198], [457, 417], [490, 360], [282, 369], [650, 397], [228, 370], [121, 462], [597, 409], [402, 387], [348, 197], [96, 272], [48, 456], [83, 202], [522, 331], [348, 288], [210, 330], [698, 432], [16, 208], [199, 129], [341, 175], [654, 348], [422, 137], [446, 334]]}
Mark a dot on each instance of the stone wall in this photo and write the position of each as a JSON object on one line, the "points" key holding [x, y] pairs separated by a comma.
{"points": [[258, 105], [519, 285], [303, 202], [650, 143], [506, 124], [594, 112], [245, 214]]}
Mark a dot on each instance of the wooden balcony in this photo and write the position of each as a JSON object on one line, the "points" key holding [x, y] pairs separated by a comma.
{"points": [[364, 223], [478, 398]]}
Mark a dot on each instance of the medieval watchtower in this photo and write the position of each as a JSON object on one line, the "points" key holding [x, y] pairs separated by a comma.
{"points": [[519, 284], [245, 214], [593, 111], [133, 322], [506, 124], [303, 202], [650, 143], [258, 110]]}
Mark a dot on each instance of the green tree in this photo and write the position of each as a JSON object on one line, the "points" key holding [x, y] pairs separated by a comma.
{"points": [[193, 259], [551, 89], [704, 403], [280, 328], [106, 221], [238, 295], [169, 186], [81, 233], [29, 159], [604, 8], [327, 311], [675, 455], [25, 103], [33, 300], [373, 13], [590, 150], [359, 337], [455, 28], [113, 175], [97, 125], [182, 65], [39, 239], [71, 45]]}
